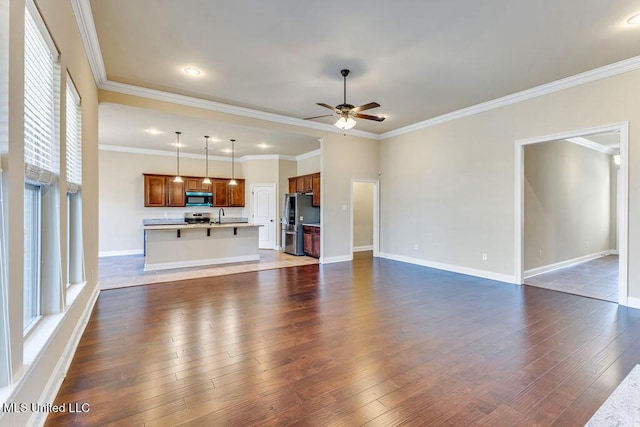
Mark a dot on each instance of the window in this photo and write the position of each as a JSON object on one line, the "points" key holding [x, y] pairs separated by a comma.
{"points": [[41, 156], [75, 265], [32, 254]]}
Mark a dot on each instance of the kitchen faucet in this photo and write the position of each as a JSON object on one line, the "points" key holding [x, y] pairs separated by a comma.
{"points": [[221, 210]]}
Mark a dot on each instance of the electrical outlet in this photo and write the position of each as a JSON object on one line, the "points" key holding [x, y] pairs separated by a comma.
{"points": [[540, 253], [484, 257]]}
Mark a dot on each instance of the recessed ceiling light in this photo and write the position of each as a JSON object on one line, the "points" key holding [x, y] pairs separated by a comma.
{"points": [[263, 146], [226, 150], [192, 71], [175, 144], [634, 20], [153, 131]]}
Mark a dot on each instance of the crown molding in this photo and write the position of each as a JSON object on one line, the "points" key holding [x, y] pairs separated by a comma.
{"points": [[87, 27], [149, 151], [308, 155], [580, 140], [268, 157], [610, 70]]}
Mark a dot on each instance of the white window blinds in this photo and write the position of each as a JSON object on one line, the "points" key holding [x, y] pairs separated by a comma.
{"points": [[41, 93], [74, 138]]}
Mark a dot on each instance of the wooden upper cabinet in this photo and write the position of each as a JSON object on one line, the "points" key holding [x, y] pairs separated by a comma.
{"points": [[220, 197], [161, 191], [155, 191], [236, 194], [175, 193], [316, 189], [195, 184], [306, 184]]}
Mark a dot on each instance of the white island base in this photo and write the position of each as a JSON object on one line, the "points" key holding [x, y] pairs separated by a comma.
{"points": [[178, 246]]}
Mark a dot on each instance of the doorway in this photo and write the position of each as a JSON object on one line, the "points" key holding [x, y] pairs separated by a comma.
{"points": [[263, 213], [364, 217], [571, 230]]}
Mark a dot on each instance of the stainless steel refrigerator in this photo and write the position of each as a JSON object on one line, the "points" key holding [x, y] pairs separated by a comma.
{"points": [[297, 210]]}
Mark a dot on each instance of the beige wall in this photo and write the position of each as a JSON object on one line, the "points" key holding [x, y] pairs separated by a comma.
{"points": [[122, 195], [35, 379], [567, 203], [343, 158], [362, 214], [449, 188], [308, 165]]}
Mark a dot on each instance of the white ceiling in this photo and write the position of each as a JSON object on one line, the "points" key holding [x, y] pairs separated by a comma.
{"points": [[418, 59]]}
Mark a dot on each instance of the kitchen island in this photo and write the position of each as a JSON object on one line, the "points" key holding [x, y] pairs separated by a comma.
{"points": [[191, 245]]}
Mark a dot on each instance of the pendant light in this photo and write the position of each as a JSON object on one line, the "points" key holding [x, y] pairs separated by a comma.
{"points": [[233, 182], [178, 178], [206, 179]]}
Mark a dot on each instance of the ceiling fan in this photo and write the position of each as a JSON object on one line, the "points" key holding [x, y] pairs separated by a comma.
{"points": [[348, 112]]}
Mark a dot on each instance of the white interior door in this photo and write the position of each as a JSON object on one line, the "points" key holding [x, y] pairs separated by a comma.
{"points": [[264, 213]]}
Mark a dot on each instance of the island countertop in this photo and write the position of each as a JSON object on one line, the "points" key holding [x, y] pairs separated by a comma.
{"points": [[184, 225]]}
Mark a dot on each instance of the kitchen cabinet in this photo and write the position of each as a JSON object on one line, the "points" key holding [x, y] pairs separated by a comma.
{"points": [[175, 192], [195, 184], [220, 198], [236, 194], [306, 184], [155, 191], [315, 187], [311, 235], [161, 191]]}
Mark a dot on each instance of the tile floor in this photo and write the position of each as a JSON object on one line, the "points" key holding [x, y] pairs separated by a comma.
{"points": [[597, 278], [123, 271]]}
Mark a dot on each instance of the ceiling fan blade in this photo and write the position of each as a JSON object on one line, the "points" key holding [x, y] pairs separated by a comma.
{"points": [[365, 107], [322, 104], [369, 117], [317, 117]]}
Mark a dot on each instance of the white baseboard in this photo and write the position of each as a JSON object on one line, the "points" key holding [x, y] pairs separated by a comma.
{"points": [[362, 248], [563, 264], [331, 260], [120, 253], [452, 268], [200, 262], [633, 302]]}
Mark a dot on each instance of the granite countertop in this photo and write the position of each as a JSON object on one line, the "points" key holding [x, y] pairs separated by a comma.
{"points": [[183, 225], [181, 221]]}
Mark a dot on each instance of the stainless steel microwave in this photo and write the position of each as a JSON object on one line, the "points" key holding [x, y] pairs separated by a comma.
{"points": [[198, 198]]}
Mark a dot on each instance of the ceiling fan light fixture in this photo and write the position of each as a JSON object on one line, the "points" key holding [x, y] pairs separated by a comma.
{"points": [[345, 124]]}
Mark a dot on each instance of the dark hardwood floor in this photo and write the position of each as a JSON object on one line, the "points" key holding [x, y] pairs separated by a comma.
{"points": [[373, 342]]}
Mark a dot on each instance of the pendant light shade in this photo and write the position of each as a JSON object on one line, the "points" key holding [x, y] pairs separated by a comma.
{"points": [[178, 178], [233, 181], [206, 179]]}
